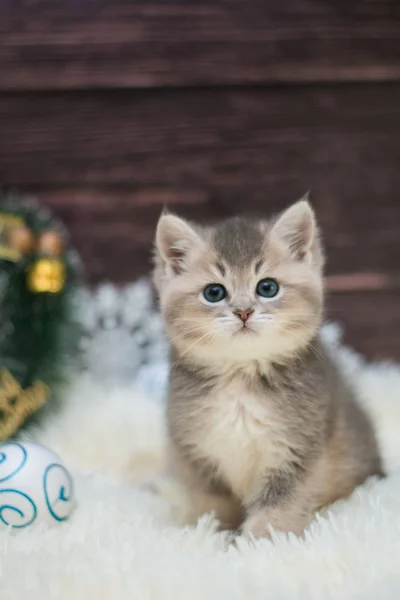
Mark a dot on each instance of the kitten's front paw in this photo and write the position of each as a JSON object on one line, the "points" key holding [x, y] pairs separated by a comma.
{"points": [[256, 526], [259, 524]]}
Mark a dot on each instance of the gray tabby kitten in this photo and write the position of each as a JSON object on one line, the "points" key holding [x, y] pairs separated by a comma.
{"points": [[263, 429]]}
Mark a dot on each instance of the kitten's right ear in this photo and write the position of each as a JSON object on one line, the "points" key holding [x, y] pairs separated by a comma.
{"points": [[175, 237]]}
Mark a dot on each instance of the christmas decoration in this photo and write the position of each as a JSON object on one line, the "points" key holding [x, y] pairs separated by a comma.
{"points": [[39, 334], [35, 487]]}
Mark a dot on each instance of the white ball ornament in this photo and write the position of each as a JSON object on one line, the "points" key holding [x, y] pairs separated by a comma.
{"points": [[35, 487]]}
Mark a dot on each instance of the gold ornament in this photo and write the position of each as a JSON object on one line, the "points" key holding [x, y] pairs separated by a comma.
{"points": [[47, 275], [21, 239], [17, 404], [51, 243], [16, 239]]}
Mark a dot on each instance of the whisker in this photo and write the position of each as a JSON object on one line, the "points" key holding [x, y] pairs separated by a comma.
{"points": [[208, 333], [183, 334], [226, 322], [295, 337]]}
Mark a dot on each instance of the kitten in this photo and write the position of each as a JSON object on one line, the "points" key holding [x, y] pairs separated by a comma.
{"points": [[263, 429]]}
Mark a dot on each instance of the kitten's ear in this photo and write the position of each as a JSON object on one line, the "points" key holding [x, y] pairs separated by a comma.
{"points": [[297, 227], [175, 237]]}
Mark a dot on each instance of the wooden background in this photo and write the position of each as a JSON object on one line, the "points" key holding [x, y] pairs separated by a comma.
{"points": [[111, 109]]}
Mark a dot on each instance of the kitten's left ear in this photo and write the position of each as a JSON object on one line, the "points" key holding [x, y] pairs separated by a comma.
{"points": [[297, 227]]}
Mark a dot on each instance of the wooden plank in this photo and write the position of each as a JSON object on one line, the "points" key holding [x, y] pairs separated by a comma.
{"points": [[119, 157], [371, 321], [58, 44], [217, 137]]}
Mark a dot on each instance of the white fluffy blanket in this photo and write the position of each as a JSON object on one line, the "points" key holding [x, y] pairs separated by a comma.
{"points": [[123, 541]]}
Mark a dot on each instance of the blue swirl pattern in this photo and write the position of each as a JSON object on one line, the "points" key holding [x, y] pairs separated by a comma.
{"points": [[11, 513], [12, 458], [58, 491]]}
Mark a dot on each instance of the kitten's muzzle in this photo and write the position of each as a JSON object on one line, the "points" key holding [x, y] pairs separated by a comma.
{"points": [[243, 314]]}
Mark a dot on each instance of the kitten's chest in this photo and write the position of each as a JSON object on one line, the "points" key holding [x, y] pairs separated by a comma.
{"points": [[242, 434]]}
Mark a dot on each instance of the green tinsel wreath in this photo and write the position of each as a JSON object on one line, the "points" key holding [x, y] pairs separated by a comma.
{"points": [[39, 333]]}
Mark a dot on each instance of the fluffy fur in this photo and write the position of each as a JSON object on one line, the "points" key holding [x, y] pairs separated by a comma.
{"points": [[263, 429], [123, 542]]}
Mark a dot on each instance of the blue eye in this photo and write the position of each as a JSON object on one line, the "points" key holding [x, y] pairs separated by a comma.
{"points": [[215, 292], [267, 288]]}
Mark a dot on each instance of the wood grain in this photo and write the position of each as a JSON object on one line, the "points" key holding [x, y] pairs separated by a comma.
{"points": [[108, 163], [221, 138], [58, 44], [371, 321]]}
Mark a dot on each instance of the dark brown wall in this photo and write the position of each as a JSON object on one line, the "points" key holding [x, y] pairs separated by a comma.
{"points": [[111, 109]]}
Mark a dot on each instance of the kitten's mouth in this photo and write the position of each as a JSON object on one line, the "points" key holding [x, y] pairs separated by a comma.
{"points": [[244, 330]]}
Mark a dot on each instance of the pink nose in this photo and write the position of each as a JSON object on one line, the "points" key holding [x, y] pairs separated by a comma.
{"points": [[243, 314]]}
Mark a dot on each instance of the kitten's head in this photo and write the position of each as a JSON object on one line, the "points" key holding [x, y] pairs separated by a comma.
{"points": [[242, 290]]}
